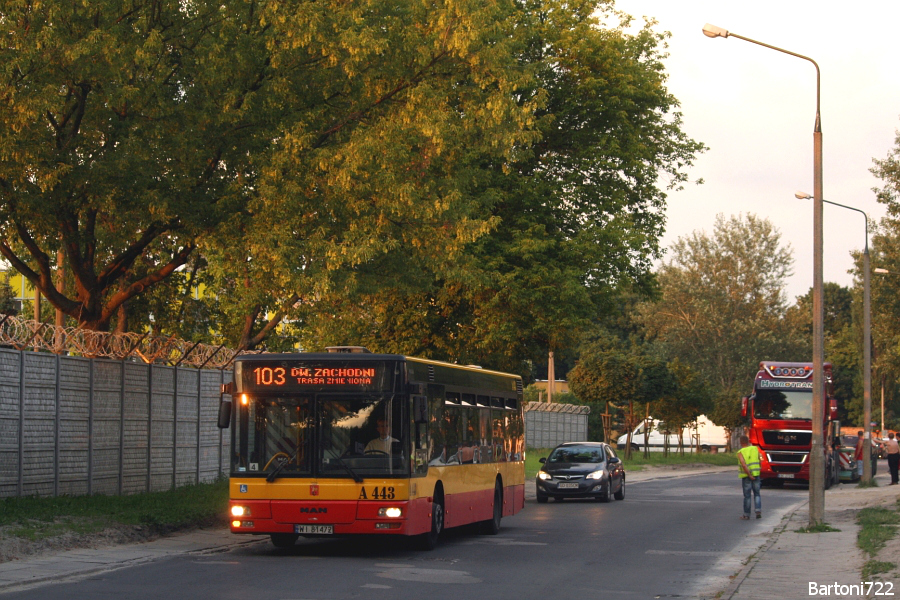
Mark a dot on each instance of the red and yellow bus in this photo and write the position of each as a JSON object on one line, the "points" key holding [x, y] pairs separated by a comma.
{"points": [[348, 442]]}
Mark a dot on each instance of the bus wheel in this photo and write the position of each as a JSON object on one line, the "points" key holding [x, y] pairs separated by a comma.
{"points": [[492, 526], [284, 540], [429, 541]]}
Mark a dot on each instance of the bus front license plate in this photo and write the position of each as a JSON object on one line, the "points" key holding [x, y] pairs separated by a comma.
{"points": [[568, 486], [785, 476], [317, 529]]}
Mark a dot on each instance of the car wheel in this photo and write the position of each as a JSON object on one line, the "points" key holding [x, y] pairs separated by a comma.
{"points": [[429, 541], [284, 540], [620, 495], [605, 496], [635, 448], [492, 525]]}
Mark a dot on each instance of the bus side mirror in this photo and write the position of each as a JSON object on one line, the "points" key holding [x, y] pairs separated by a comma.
{"points": [[224, 414], [744, 402], [420, 410], [833, 408], [225, 405]]}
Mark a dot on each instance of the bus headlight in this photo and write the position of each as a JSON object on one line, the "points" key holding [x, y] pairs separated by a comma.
{"points": [[392, 512], [240, 511]]}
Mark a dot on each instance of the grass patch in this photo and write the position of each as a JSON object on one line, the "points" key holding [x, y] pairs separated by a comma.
{"points": [[874, 567], [36, 518], [867, 484], [877, 526], [637, 461], [817, 528]]}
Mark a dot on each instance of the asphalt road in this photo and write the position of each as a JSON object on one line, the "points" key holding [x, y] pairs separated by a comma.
{"points": [[669, 538]]}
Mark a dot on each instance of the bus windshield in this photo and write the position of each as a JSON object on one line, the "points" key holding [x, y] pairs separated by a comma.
{"points": [[324, 435], [783, 404], [362, 435]]}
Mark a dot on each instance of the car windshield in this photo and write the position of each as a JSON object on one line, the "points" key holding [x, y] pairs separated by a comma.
{"points": [[849, 440], [577, 454], [783, 404]]}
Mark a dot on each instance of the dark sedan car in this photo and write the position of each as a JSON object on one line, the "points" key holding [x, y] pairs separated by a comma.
{"points": [[581, 470]]}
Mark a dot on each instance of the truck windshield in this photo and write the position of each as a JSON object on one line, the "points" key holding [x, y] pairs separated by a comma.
{"points": [[783, 404]]}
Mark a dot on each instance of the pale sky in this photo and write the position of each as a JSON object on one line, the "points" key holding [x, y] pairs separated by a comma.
{"points": [[755, 110]]}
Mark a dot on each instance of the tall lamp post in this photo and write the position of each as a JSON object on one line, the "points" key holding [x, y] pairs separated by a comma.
{"points": [[881, 271], [817, 451], [867, 344]]}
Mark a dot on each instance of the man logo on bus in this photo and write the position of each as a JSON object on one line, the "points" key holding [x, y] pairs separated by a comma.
{"points": [[314, 489]]}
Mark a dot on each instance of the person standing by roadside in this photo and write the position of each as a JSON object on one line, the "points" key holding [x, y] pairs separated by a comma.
{"points": [[893, 456], [859, 453], [748, 465]]}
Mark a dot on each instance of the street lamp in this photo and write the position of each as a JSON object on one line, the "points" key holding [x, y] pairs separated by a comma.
{"points": [[867, 344], [817, 451], [881, 271]]}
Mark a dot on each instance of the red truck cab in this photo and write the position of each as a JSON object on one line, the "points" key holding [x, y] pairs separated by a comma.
{"points": [[780, 416]]}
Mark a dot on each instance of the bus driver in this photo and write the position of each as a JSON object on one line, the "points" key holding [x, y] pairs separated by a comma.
{"points": [[382, 444]]}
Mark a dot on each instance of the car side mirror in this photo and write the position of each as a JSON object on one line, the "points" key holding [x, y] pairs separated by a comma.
{"points": [[615, 460], [542, 461]]}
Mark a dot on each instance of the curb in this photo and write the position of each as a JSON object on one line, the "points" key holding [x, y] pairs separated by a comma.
{"points": [[735, 584]]}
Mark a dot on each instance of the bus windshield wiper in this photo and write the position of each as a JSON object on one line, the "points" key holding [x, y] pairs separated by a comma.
{"points": [[353, 473], [271, 476]]}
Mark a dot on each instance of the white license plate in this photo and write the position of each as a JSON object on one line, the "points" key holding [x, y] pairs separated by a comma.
{"points": [[785, 476], [320, 529], [568, 486]]}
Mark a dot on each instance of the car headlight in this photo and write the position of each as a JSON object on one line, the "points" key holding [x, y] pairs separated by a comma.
{"points": [[545, 476], [596, 475]]}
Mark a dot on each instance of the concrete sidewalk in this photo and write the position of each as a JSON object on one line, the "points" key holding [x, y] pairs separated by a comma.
{"points": [[788, 562], [781, 567]]}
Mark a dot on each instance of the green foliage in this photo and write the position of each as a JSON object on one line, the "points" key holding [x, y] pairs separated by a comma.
{"points": [[877, 526], [817, 528], [874, 567], [36, 518], [7, 299], [567, 218], [722, 305]]}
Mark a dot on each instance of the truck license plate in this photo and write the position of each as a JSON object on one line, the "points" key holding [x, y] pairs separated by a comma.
{"points": [[785, 476], [319, 529]]}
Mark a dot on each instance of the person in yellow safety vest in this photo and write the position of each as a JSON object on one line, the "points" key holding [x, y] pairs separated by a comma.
{"points": [[748, 459]]}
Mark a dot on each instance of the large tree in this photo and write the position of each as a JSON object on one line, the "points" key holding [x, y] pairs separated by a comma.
{"points": [[722, 306], [574, 216], [285, 140], [124, 133]]}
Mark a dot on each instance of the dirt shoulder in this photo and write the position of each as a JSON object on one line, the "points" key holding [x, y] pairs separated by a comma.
{"points": [[15, 546]]}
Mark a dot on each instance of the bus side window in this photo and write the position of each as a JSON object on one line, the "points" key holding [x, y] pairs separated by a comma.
{"points": [[420, 434]]}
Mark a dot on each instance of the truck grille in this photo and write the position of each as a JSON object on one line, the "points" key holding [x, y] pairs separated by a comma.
{"points": [[787, 438], [785, 457]]}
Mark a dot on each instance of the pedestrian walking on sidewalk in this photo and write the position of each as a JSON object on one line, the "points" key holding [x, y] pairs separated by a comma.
{"points": [[893, 456], [748, 465]]}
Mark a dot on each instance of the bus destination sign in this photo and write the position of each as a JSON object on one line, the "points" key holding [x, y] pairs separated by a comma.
{"points": [[305, 376]]}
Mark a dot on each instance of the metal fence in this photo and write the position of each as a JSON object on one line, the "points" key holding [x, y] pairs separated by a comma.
{"points": [[75, 426], [550, 424]]}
